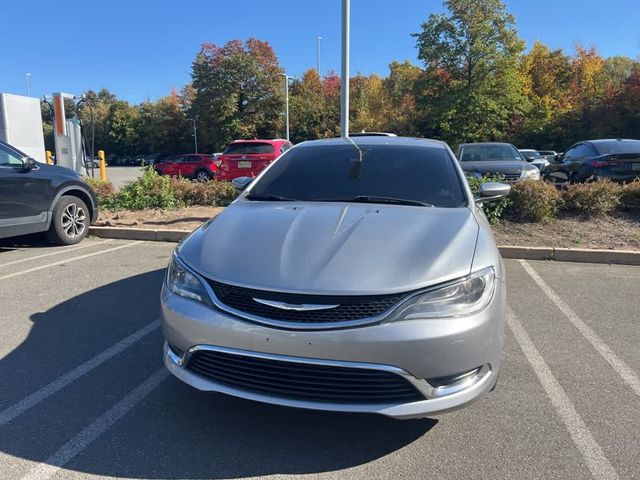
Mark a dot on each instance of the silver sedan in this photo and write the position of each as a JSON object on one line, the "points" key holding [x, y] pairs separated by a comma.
{"points": [[354, 275]]}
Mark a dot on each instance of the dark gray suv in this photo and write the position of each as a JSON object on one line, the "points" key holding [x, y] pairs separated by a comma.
{"points": [[36, 197]]}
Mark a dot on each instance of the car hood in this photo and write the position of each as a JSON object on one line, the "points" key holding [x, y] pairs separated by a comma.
{"points": [[333, 248], [503, 167]]}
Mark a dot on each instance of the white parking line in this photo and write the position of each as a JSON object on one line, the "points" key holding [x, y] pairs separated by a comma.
{"points": [[57, 252], [593, 455], [69, 260], [627, 374], [43, 393], [99, 426]]}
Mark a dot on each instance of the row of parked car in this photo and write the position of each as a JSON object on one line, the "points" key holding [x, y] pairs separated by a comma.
{"points": [[613, 159], [242, 158]]}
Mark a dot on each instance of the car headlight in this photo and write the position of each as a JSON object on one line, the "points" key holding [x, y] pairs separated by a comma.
{"points": [[461, 298], [181, 282], [533, 174]]}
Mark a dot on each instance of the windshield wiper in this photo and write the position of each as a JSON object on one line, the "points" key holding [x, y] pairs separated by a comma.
{"points": [[270, 198], [390, 200]]}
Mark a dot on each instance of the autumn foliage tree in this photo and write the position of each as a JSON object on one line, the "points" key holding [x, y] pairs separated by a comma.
{"points": [[238, 92]]}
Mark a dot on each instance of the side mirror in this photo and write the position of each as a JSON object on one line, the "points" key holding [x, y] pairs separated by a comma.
{"points": [[241, 183], [529, 159], [490, 191], [29, 163]]}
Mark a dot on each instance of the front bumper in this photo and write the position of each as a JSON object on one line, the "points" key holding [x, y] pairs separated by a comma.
{"points": [[416, 350]]}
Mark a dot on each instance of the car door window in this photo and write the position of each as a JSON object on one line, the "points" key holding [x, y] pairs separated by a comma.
{"points": [[9, 159], [570, 154]]}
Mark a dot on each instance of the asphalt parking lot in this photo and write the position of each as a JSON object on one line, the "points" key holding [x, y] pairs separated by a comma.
{"points": [[120, 176], [83, 393]]}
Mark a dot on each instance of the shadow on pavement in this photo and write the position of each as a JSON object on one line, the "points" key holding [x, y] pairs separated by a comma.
{"points": [[176, 432], [34, 240]]}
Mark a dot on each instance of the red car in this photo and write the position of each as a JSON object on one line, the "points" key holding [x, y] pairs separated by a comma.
{"points": [[247, 158], [197, 166]]}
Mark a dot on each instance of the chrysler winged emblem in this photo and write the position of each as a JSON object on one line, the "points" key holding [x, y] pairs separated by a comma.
{"points": [[304, 307]]}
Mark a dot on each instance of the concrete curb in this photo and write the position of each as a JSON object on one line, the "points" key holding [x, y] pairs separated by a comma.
{"points": [[582, 255]]}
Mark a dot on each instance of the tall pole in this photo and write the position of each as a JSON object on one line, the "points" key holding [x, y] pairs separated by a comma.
{"points": [[195, 134], [318, 57], [286, 101], [344, 91], [26, 76]]}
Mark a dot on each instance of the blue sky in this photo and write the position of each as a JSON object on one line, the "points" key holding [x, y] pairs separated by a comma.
{"points": [[143, 49]]}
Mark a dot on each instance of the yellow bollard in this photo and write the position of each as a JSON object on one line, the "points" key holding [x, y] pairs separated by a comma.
{"points": [[103, 165], [49, 159]]}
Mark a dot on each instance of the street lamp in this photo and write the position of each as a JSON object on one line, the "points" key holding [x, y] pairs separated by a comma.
{"points": [[318, 57], [286, 100], [195, 134], [344, 91], [26, 76]]}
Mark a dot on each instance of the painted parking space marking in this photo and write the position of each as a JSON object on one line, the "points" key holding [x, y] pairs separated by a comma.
{"points": [[99, 426], [69, 260], [45, 392], [626, 373], [591, 451], [57, 252]]}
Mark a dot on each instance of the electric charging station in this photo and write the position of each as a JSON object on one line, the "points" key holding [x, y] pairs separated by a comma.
{"points": [[68, 136]]}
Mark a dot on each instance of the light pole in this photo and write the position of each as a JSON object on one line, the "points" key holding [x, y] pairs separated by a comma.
{"points": [[26, 77], [318, 57], [286, 100], [344, 91], [195, 133]]}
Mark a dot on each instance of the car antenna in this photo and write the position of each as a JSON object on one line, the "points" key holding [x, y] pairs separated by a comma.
{"points": [[356, 171]]}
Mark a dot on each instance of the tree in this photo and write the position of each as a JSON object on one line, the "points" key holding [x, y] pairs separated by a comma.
{"points": [[472, 86], [238, 92]]}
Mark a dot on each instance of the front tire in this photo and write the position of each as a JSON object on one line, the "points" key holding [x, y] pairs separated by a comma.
{"points": [[70, 222]]}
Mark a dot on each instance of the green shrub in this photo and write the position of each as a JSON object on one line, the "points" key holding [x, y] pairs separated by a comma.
{"points": [[495, 210], [534, 201], [630, 197], [593, 198], [149, 191], [212, 193], [104, 189]]}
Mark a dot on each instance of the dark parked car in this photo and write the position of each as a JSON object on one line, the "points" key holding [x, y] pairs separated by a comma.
{"points": [[495, 159], [613, 159], [35, 197], [195, 166]]}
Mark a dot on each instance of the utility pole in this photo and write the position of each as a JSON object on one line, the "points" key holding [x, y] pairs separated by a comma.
{"points": [[26, 76], [344, 91], [318, 57], [286, 100], [195, 134]]}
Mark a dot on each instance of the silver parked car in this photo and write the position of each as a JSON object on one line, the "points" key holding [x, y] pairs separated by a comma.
{"points": [[354, 275]]}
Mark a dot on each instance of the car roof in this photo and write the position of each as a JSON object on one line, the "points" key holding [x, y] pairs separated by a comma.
{"points": [[486, 143], [610, 140], [375, 140], [260, 140]]}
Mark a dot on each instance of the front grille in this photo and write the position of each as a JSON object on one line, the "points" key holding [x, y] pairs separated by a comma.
{"points": [[349, 308], [509, 177], [303, 381]]}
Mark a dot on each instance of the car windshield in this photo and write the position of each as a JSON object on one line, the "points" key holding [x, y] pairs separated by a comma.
{"points": [[618, 146], [247, 148], [386, 174], [479, 153]]}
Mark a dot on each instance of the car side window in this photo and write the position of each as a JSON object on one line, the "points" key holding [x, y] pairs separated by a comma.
{"points": [[9, 159], [570, 154]]}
